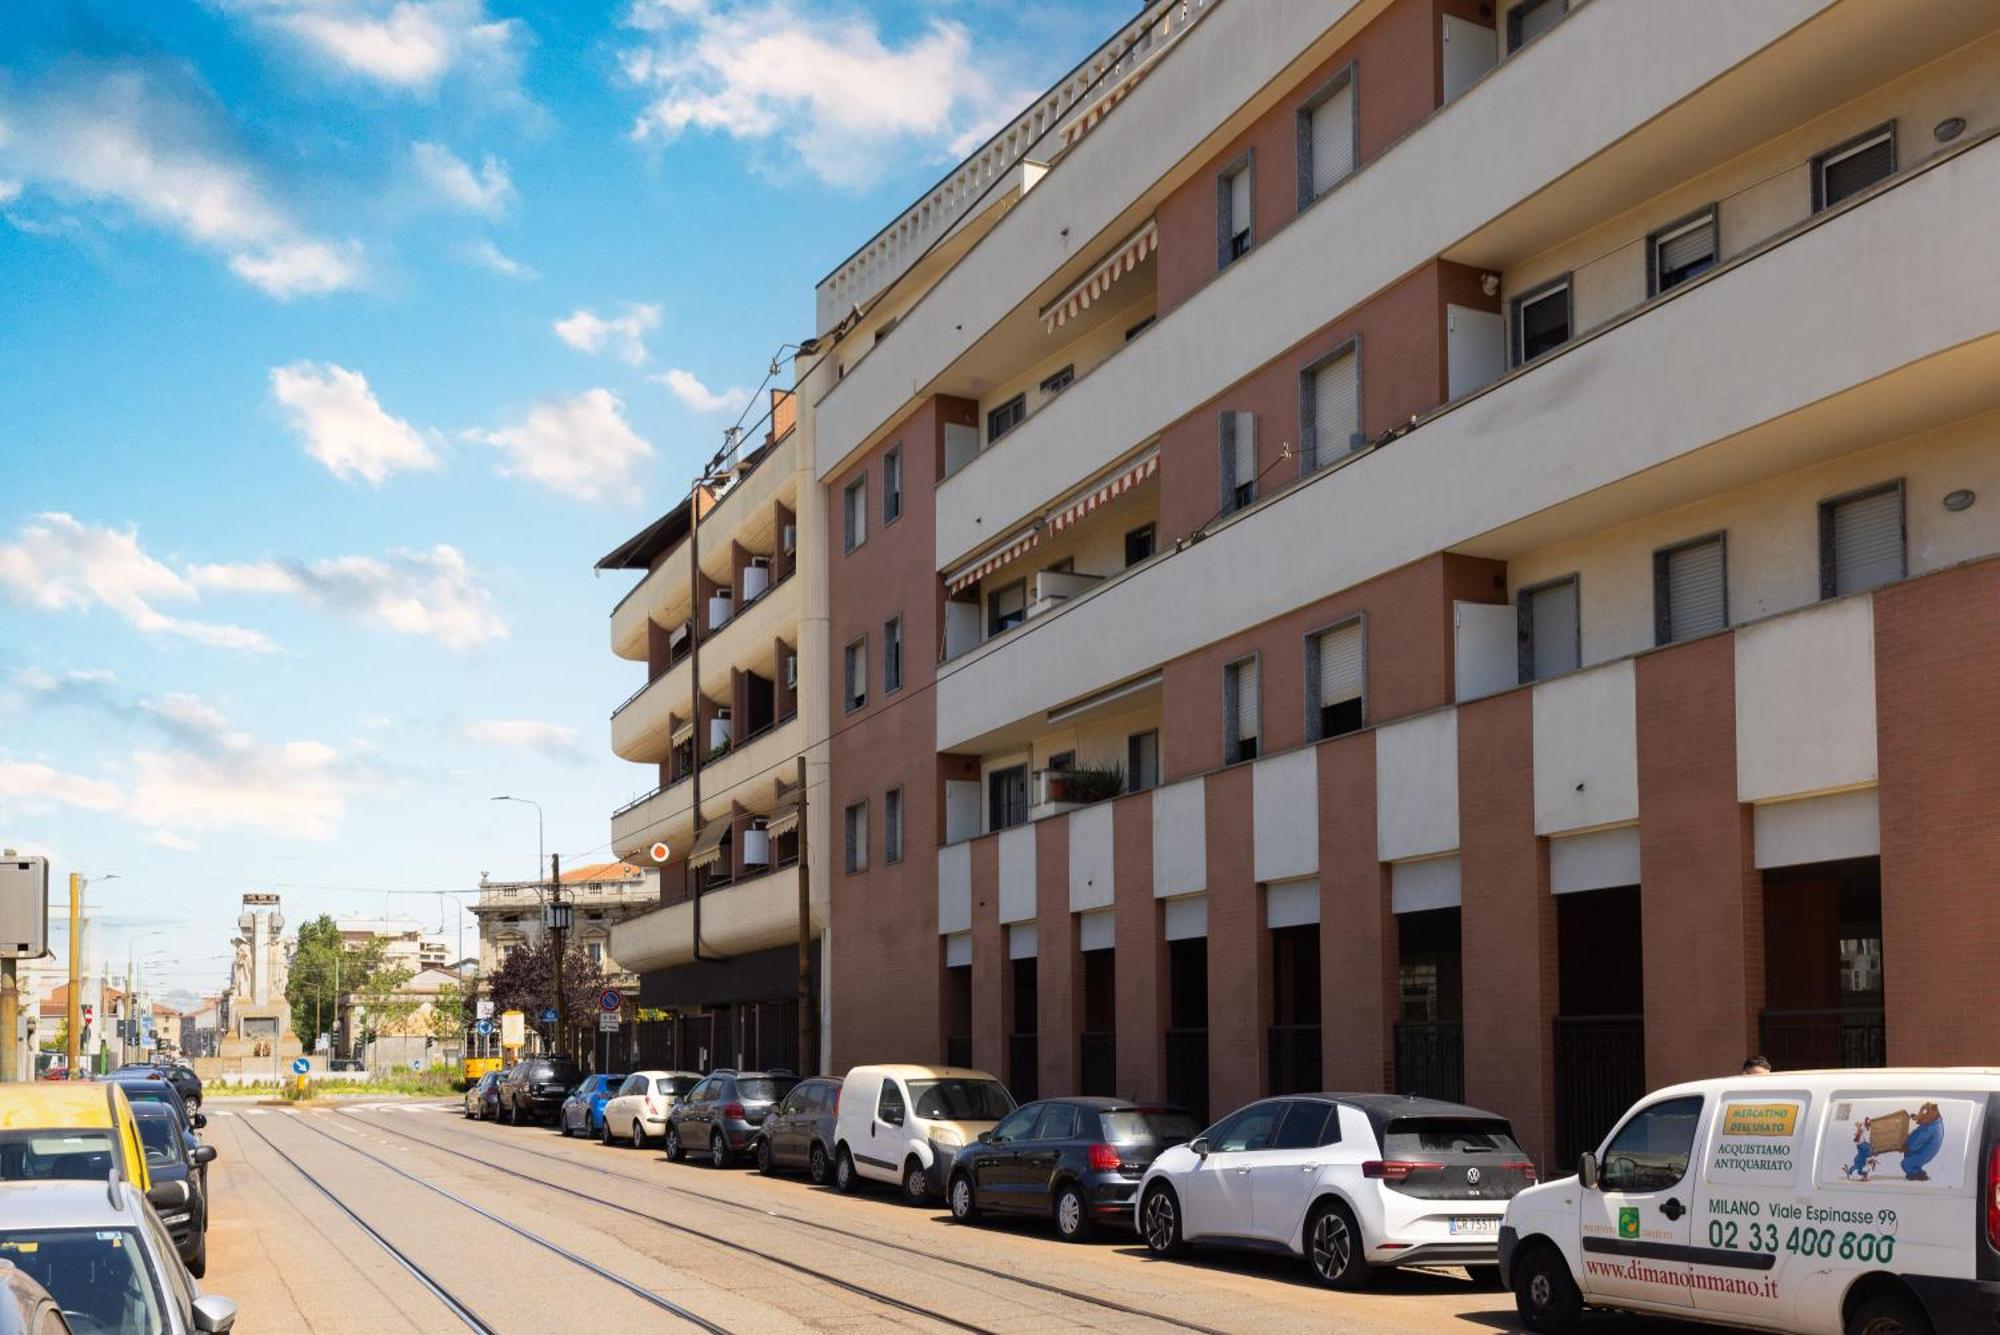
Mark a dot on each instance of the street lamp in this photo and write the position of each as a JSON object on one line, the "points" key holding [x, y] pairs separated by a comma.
{"points": [[555, 913], [73, 1026], [541, 851]]}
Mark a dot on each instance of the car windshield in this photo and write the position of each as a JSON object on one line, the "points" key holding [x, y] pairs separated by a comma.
{"points": [[676, 1085], [764, 1090], [97, 1276], [162, 1138], [1410, 1137], [961, 1100], [41, 1156], [1163, 1128]]}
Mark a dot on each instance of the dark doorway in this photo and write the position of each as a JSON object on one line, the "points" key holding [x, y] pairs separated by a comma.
{"points": [[1187, 1025], [1023, 1047], [958, 1015], [1294, 1036], [1097, 1044], [1823, 999], [1430, 1016], [1600, 1027]]}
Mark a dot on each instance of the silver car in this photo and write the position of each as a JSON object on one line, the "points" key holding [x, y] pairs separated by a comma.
{"points": [[102, 1253]]}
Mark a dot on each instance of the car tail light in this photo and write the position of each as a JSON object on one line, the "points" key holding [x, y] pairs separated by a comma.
{"points": [[1104, 1159], [1396, 1170], [651, 1106], [734, 1110], [1521, 1166], [836, 1101], [1993, 1197]]}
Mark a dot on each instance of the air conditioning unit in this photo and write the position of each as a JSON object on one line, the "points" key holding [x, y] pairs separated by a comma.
{"points": [[721, 605], [719, 731], [757, 846], [791, 672], [788, 539], [756, 578]]}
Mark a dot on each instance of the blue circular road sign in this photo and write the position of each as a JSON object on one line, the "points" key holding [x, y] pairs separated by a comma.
{"points": [[482, 1027], [300, 1066], [610, 1001]]}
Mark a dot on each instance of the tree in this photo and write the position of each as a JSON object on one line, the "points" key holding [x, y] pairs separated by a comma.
{"points": [[451, 1012], [386, 1008], [526, 982], [323, 968]]}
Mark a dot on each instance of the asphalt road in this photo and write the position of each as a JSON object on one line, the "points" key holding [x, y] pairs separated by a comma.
{"points": [[518, 1230]]}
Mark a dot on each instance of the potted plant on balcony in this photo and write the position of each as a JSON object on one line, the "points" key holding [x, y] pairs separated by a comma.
{"points": [[1089, 783], [718, 751]]}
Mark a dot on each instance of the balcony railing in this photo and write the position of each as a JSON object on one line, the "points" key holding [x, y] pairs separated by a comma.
{"points": [[1098, 1058], [1187, 1070], [1294, 1058], [1806, 1040], [1600, 1063], [1430, 1059]]}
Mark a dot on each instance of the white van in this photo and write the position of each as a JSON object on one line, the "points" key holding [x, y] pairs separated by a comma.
{"points": [[1862, 1202], [906, 1124]]}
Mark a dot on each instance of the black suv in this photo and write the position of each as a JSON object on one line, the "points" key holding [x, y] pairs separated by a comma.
{"points": [[721, 1116], [535, 1089], [1077, 1161]]}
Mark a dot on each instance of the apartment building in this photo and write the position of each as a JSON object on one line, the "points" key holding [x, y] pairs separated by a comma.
{"points": [[723, 617], [601, 895], [1429, 545]]}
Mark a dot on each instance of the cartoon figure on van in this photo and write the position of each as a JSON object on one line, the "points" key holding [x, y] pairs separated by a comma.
{"points": [[1916, 1136]]}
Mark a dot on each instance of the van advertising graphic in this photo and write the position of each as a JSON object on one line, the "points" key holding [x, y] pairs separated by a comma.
{"points": [[1759, 1142], [1904, 1141]]}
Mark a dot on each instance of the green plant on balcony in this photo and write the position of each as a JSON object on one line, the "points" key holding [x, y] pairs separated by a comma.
{"points": [[1087, 783], [718, 751]]}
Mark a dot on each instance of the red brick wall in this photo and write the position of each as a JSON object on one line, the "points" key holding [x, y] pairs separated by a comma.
{"points": [[1058, 976], [1937, 650], [1357, 938], [1508, 919], [1239, 947], [1701, 897], [1142, 970]]}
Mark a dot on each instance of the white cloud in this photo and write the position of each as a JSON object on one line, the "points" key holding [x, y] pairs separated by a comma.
{"points": [[167, 839], [488, 255], [300, 789], [828, 87], [487, 190], [344, 426], [580, 446], [623, 336], [434, 594], [687, 387], [407, 46], [116, 135], [32, 782], [10, 190], [551, 739], [57, 564]]}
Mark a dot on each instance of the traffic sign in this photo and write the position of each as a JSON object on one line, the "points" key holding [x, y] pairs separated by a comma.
{"points": [[416, 1063], [607, 1022], [549, 1015], [610, 1001], [482, 1027], [301, 1066], [483, 1008]]}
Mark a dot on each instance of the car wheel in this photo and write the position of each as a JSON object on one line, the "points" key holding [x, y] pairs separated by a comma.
{"points": [[818, 1167], [964, 1206], [1545, 1295], [1073, 1221], [1890, 1314], [1334, 1248], [639, 1139], [562, 1124], [198, 1263], [718, 1151], [1485, 1276], [673, 1141], [1160, 1222], [605, 1134], [916, 1182], [844, 1179], [766, 1164]]}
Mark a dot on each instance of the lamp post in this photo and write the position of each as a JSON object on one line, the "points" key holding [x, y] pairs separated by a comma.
{"points": [[131, 1033], [73, 1047], [555, 913]]}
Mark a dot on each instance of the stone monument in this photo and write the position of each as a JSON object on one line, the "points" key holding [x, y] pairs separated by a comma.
{"points": [[260, 1041]]}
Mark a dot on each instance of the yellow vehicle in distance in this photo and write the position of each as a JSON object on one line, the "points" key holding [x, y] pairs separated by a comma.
{"points": [[73, 1131]]}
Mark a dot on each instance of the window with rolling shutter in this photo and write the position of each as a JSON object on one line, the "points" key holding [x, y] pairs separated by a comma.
{"points": [[1238, 461], [1336, 681], [1683, 250], [1690, 590], [1233, 214], [1240, 711], [1861, 541], [1550, 634], [1854, 166], [892, 825], [1541, 321], [855, 832], [1326, 149], [1142, 761], [1333, 409]]}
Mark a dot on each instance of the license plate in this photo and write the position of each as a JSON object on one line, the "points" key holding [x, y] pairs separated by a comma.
{"points": [[1488, 1224]]}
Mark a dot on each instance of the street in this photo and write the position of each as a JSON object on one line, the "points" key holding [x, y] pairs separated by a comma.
{"points": [[517, 1229]]}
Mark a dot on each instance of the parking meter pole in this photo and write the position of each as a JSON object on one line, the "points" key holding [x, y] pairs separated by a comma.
{"points": [[10, 1017]]}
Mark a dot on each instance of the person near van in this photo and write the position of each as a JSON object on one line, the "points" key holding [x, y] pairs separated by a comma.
{"points": [[1757, 1066]]}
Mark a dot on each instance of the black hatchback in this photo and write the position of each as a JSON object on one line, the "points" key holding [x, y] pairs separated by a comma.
{"points": [[1077, 1161]]}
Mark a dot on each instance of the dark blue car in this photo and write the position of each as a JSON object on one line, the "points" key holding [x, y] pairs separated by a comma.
{"points": [[583, 1111]]}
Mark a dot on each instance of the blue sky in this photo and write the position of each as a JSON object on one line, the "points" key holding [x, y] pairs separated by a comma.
{"points": [[341, 338]]}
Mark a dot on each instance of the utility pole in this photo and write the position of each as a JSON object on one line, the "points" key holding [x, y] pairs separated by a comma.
{"points": [[73, 1049], [558, 927]]}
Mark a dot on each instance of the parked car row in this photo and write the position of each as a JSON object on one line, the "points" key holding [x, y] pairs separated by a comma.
{"points": [[104, 1206]]}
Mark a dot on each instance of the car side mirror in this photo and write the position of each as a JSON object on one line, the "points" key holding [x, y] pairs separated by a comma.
{"points": [[213, 1312], [986, 1137], [167, 1195], [204, 1154], [199, 1121], [1586, 1171], [1199, 1145]]}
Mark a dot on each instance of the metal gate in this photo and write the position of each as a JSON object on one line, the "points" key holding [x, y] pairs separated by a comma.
{"points": [[1600, 1072], [1430, 1059]]}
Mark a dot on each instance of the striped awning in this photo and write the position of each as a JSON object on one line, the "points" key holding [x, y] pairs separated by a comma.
{"points": [[784, 817], [1098, 110], [979, 570], [1141, 469], [684, 733], [1098, 281], [708, 845]]}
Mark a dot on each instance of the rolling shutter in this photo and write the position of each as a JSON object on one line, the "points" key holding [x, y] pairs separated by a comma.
{"points": [[1688, 247], [1553, 624], [1332, 131], [1239, 202], [1244, 698], [1867, 541], [1855, 170], [1697, 602], [1341, 671], [1336, 408]]}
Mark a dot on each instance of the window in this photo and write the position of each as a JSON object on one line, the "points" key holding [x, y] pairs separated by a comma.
{"points": [[1541, 320], [854, 824], [1239, 461], [1006, 417], [856, 674], [1306, 1126], [1650, 1152], [889, 1107], [1326, 138], [892, 655], [1006, 607], [1058, 1122], [1239, 711], [1232, 202], [596, 951], [892, 486], [892, 825], [1248, 1130], [1690, 590], [1139, 545], [1681, 250], [1336, 677], [1550, 636], [1861, 540], [1063, 761], [1007, 798], [1530, 19], [1852, 167], [1060, 381], [854, 514], [1330, 408], [1142, 761]]}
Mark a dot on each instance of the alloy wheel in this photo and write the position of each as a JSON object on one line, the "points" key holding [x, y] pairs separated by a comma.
{"points": [[718, 1151], [1332, 1246], [638, 1135], [816, 1166], [1162, 1223], [961, 1198]]}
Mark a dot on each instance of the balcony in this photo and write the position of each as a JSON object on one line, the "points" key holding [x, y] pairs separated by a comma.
{"points": [[747, 915], [668, 813], [1772, 401], [640, 726]]}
